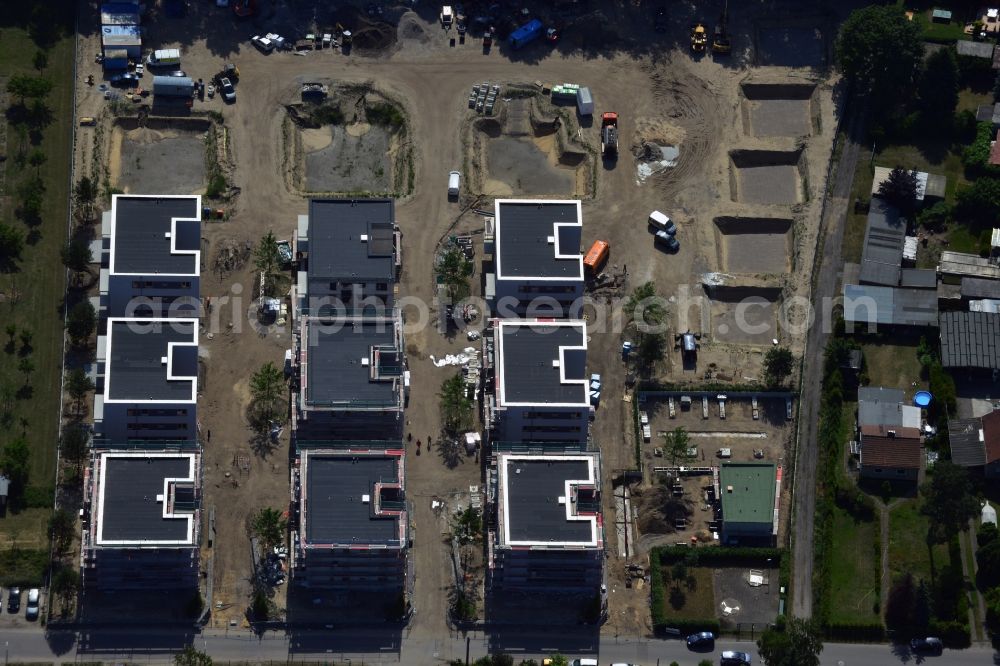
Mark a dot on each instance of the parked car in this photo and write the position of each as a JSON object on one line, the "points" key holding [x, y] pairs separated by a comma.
{"points": [[125, 80], [14, 601], [454, 181], [31, 612], [662, 222], [703, 640], [263, 44], [228, 91], [667, 240], [734, 658], [927, 645]]}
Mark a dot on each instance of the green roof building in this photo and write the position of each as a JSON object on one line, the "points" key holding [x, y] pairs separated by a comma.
{"points": [[749, 510]]}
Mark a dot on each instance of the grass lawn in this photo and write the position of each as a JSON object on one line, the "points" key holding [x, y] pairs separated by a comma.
{"points": [[39, 282], [908, 550], [855, 570], [893, 366], [692, 603]]}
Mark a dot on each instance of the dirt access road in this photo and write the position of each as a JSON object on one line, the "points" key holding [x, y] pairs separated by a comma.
{"points": [[695, 103]]}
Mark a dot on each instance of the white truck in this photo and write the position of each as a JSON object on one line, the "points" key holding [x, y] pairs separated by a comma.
{"points": [[164, 58]]}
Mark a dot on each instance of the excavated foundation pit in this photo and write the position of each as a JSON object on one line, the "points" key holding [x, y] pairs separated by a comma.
{"points": [[779, 109], [163, 156], [766, 176], [744, 315], [754, 244], [523, 156]]}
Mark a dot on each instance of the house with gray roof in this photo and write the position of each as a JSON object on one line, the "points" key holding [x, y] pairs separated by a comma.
{"points": [[142, 519], [147, 381], [882, 252], [546, 534], [877, 306], [352, 529], [975, 443], [540, 390], [536, 256], [879, 406], [348, 256], [151, 256]]}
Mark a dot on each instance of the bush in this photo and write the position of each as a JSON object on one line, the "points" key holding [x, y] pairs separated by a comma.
{"points": [[25, 568], [385, 114], [722, 556], [328, 115], [217, 185], [976, 156], [936, 217], [868, 632], [954, 634], [942, 387], [39, 497]]}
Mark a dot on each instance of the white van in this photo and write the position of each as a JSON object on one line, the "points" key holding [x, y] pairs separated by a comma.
{"points": [[164, 58], [661, 221], [584, 662], [454, 181]]}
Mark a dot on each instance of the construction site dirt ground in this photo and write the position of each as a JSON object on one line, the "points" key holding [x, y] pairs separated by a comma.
{"points": [[662, 95]]}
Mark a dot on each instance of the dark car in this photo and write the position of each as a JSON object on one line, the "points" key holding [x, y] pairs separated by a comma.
{"points": [[927, 645], [126, 80], [667, 240], [703, 640], [14, 601]]}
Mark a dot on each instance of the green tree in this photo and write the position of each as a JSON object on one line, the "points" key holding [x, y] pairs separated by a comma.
{"points": [[935, 218], [467, 525], [879, 50], [456, 406], [559, 660], [192, 657], [979, 202], [453, 269], [40, 61], [85, 196], [678, 573], [65, 583], [778, 365], [26, 366], [938, 88], [37, 158], [26, 336], [266, 257], [14, 462], [676, 445], [62, 530], [988, 558], [75, 445], [267, 393], [646, 314], [80, 323], [901, 602], [28, 87], [76, 256], [269, 526], [949, 501], [987, 533], [900, 190], [78, 385], [798, 644], [11, 246]]}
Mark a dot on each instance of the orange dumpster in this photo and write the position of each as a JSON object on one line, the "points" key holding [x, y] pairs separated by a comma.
{"points": [[596, 256]]}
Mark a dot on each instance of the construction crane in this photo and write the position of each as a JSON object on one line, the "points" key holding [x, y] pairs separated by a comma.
{"points": [[720, 41]]}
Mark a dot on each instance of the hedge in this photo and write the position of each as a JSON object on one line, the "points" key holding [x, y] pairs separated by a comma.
{"points": [[685, 627], [954, 634], [869, 632], [657, 589], [721, 556], [25, 568]]}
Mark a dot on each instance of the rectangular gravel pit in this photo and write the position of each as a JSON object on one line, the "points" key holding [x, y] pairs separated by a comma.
{"points": [[754, 245], [766, 177], [347, 159], [778, 109]]}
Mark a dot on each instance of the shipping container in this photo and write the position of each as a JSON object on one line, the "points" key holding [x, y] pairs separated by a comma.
{"points": [[584, 102], [173, 86], [596, 256], [526, 33]]}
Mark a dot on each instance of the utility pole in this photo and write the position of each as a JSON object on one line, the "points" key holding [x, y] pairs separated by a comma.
{"points": [[467, 651]]}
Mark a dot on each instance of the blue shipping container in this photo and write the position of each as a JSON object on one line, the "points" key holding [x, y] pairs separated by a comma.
{"points": [[526, 33]]}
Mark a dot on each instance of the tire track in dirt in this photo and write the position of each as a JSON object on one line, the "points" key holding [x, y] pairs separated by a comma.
{"points": [[693, 105]]}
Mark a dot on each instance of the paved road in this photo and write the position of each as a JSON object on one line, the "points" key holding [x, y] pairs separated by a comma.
{"points": [[829, 264], [356, 647]]}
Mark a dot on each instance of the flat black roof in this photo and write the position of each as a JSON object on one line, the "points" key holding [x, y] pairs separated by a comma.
{"points": [[140, 242], [335, 512], [335, 370], [967, 450], [970, 340], [135, 369], [527, 373], [523, 230], [336, 249], [130, 510], [533, 511]]}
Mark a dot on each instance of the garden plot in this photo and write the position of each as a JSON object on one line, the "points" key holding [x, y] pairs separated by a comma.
{"points": [[778, 109], [754, 244], [161, 157], [766, 176]]}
